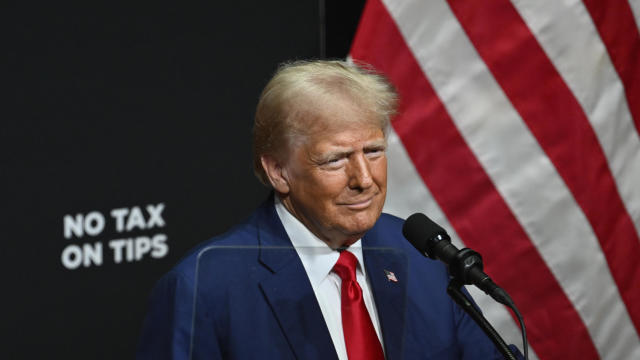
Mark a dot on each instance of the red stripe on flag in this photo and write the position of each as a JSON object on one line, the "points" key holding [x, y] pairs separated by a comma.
{"points": [[466, 194], [619, 32], [556, 119]]}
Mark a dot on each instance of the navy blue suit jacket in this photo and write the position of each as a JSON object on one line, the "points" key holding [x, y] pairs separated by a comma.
{"points": [[246, 295]]}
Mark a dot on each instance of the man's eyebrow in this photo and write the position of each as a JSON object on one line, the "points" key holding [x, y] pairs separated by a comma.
{"points": [[376, 144], [346, 151], [334, 154]]}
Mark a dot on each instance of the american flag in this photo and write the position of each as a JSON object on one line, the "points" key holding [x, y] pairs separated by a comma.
{"points": [[518, 133], [391, 276]]}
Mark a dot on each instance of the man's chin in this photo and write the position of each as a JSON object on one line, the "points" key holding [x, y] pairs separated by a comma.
{"points": [[365, 220], [358, 230]]}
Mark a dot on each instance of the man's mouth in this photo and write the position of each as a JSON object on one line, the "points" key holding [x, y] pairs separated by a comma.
{"points": [[359, 204]]}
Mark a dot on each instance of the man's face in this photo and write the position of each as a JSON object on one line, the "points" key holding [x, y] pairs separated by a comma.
{"points": [[337, 177]]}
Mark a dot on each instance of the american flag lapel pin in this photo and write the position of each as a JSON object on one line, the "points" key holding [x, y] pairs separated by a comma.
{"points": [[391, 276]]}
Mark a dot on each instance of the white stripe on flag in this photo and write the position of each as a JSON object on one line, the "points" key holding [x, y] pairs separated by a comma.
{"points": [[535, 193], [407, 194]]}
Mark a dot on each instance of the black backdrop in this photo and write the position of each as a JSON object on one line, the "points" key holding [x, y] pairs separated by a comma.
{"points": [[126, 141]]}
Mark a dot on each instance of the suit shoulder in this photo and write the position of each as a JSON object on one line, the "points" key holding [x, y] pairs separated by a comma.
{"points": [[390, 220], [390, 217], [386, 228]]}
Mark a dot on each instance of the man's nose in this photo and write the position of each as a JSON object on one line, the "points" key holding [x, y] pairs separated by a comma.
{"points": [[360, 173]]}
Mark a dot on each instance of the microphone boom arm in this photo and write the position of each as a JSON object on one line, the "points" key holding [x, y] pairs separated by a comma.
{"points": [[465, 303]]}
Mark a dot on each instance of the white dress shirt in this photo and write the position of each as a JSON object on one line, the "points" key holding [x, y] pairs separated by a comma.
{"points": [[318, 259]]}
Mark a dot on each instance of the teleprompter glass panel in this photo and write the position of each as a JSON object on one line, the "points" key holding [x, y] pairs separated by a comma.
{"points": [[259, 302]]}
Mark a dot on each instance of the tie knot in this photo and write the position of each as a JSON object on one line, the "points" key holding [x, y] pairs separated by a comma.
{"points": [[345, 267]]}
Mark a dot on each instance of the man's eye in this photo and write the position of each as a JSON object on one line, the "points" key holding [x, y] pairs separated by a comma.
{"points": [[375, 152], [333, 162]]}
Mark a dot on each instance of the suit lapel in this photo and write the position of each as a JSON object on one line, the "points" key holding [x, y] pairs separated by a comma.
{"points": [[289, 292], [390, 296]]}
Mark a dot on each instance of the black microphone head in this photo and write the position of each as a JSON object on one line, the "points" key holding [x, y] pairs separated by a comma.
{"points": [[420, 230]]}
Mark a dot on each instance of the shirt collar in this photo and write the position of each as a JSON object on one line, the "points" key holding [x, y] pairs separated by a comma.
{"points": [[316, 256]]}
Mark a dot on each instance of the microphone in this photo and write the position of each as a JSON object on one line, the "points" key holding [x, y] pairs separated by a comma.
{"points": [[464, 265]]}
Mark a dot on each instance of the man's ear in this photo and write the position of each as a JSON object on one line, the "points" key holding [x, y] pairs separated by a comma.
{"points": [[276, 173]]}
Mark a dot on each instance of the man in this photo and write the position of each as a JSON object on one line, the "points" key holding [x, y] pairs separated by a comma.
{"points": [[316, 272]]}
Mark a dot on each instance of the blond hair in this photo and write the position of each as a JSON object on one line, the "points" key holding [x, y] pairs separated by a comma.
{"points": [[302, 87]]}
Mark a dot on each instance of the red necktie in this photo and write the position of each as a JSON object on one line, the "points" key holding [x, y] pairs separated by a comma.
{"points": [[359, 334]]}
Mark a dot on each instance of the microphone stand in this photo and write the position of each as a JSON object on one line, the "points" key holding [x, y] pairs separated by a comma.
{"points": [[465, 303]]}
